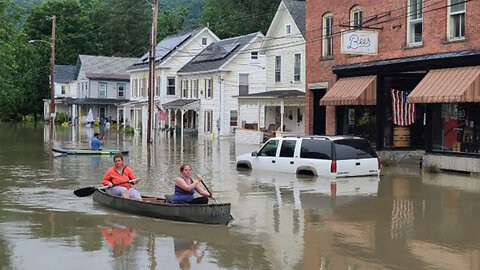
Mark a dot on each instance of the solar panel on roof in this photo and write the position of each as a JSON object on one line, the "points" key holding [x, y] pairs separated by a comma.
{"points": [[215, 52]]}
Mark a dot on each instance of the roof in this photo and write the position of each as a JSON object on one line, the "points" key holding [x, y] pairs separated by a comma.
{"points": [[352, 91], [449, 85], [65, 74], [297, 10], [217, 54], [106, 76], [93, 101], [276, 93], [165, 47], [179, 103], [105, 64]]}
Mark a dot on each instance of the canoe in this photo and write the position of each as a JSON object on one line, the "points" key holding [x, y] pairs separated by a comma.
{"points": [[71, 151], [160, 208]]}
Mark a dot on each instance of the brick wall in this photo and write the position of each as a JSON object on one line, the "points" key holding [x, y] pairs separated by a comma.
{"points": [[392, 39]]}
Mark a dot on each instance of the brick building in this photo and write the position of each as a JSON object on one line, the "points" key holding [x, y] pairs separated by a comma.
{"points": [[407, 75]]}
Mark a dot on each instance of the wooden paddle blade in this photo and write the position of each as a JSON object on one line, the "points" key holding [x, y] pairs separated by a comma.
{"points": [[84, 192]]}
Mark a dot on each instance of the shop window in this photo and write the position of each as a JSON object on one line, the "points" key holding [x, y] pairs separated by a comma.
{"points": [[460, 126], [456, 19], [327, 34], [358, 121], [356, 17], [415, 22]]}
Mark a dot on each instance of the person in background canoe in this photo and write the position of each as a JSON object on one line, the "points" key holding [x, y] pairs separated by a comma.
{"points": [[120, 173], [185, 187], [97, 141]]}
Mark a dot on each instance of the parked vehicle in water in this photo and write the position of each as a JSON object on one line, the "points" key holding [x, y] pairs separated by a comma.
{"points": [[331, 156]]}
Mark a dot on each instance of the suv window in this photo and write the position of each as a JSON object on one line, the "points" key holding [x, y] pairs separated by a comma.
{"points": [[316, 149], [288, 148], [353, 149], [269, 149]]}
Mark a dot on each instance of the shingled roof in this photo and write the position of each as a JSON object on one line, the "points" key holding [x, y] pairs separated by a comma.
{"points": [[217, 54], [65, 74], [103, 65], [166, 47], [297, 10]]}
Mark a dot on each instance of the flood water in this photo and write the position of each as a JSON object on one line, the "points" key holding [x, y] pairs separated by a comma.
{"points": [[403, 220]]}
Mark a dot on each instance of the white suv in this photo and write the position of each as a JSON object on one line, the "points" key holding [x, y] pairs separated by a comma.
{"points": [[332, 156]]}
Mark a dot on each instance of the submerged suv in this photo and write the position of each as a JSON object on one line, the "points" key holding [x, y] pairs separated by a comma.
{"points": [[333, 156]]}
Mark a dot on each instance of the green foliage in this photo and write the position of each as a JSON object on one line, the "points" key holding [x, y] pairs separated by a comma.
{"points": [[129, 130], [173, 21], [194, 6], [61, 117], [229, 18]]}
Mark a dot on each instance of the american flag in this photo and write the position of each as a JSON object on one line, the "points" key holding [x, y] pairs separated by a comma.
{"points": [[403, 113], [162, 115]]}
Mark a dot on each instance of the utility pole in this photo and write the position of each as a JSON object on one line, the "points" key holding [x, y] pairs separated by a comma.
{"points": [[151, 70], [52, 76]]}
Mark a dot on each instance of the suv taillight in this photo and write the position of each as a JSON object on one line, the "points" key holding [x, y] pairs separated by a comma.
{"points": [[379, 163], [333, 166]]}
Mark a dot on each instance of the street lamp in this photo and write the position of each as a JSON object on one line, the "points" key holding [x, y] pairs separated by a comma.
{"points": [[52, 73]]}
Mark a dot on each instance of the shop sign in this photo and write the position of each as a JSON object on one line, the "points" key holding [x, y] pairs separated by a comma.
{"points": [[318, 85], [360, 42]]}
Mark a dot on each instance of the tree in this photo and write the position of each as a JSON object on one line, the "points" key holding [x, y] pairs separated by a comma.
{"points": [[229, 18]]}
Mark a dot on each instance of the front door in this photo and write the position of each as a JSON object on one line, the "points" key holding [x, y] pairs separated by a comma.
{"points": [[266, 157], [318, 112]]}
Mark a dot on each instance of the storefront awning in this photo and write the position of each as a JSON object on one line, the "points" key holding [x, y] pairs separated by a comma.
{"points": [[352, 91], [450, 85]]}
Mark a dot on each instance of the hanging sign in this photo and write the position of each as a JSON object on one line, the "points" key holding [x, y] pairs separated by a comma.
{"points": [[360, 42]]}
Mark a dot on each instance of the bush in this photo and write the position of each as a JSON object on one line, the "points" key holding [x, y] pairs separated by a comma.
{"points": [[96, 123], [61, 117], [129, 130]]}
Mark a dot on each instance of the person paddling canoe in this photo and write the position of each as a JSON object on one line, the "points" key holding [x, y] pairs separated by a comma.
{"points": [[185, 187], [120, 173]]}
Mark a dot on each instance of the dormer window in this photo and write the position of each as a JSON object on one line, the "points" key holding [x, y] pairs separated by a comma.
{"points": [[288, 29], [204, 41]]}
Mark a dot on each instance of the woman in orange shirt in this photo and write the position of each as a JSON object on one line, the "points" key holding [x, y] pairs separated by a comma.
{"points": [[120, 173]]}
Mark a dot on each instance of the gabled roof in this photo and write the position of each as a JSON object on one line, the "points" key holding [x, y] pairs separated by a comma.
{"points": [[217, 54], [65, 74], [297, 10], [104, 64], [166, 47]]}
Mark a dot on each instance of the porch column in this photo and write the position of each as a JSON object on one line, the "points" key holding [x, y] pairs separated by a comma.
{"points": [[118, 118], [124, 115], [169, 118], [175, 117], [182, 112], [282, 112], [258, 106]]}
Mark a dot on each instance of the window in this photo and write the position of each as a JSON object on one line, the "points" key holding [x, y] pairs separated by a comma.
{"points": [[209, 88], [204, 41], [208, 123], [288, 29], [254, 55], [269, 149], [297, 67], [144, 87], [327, 34], [171, 86], [243, 84], [84, 89], [278, 68], [102, 89], [356, 17], [63, 89], [157, 86], [353, 149], [288, 148], [195, 88], [184, 88], [456, 19], [415, 21], [316, 149], [121, 90], [233, 118]]}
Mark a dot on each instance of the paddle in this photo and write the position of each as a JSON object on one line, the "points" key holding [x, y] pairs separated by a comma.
{"points": [[87, 191], [215, 200]]}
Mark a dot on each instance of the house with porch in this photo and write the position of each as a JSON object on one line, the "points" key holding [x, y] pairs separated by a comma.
{"points": [[280, 108], [172, 53], [96, 83], [211, 83]]}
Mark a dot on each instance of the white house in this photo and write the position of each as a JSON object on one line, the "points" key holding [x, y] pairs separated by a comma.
{"points": [[98, 83], [172, 53], [212, 81], [281, 107]]}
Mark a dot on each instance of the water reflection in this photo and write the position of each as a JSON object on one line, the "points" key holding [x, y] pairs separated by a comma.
{"points": [[118, 238], [185, 249]]}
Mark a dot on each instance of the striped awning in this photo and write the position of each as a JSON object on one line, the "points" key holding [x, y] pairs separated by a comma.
{"points": [[450, 85], [352, 91]]}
